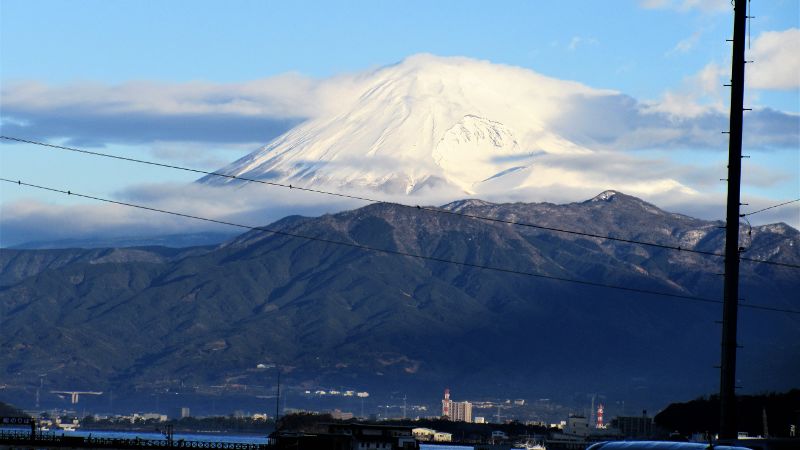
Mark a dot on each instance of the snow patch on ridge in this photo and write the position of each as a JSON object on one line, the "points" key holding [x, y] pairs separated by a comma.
{"points": [[604, 196], [777, 228], [691, 238], [461, 205]]}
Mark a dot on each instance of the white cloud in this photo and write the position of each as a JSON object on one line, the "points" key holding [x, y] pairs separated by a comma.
{"points": [[92, 113], [691, 117], [655, 179], [776, 56], [196, 123], [776, 65], [580, 41], [708, 80], [654, 4], [688, 5], [280, 96], [26, 220], [686, 45], [706, 5], [178, 120], [199, 155], [679, 104], [699, 94]]}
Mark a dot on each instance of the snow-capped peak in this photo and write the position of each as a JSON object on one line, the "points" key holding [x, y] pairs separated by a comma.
{"points": [[452, 124]]}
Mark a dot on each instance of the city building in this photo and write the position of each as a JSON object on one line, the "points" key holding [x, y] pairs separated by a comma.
{"points": [[348, 436], [441, 436], [431, 435], [456, 411], [461, 412], [577, 426], [149, 416], [338, 414], [180, 413], [634, 426], [367, 437], [498, 435]]}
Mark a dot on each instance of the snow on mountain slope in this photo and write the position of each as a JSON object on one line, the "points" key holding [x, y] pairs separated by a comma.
{"points": [[467, 126]]}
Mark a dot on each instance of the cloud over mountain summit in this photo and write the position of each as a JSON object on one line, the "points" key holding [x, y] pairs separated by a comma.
{"points": [[436, 128], [482, 128], [144, 112]]}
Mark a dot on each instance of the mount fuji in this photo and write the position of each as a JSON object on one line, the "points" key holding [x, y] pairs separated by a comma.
{"points": [[428, 124]]}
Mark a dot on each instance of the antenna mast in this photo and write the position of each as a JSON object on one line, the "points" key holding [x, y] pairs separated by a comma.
{"points": [[278, 401]]}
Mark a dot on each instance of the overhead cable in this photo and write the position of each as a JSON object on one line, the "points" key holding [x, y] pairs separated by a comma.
{"points": [[377, 201], [769, 207]]}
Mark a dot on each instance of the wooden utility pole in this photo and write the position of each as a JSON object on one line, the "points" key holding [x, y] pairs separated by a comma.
{"points": [[727, 385]]}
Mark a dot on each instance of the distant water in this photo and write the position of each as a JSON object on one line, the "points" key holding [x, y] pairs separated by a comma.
{"points": [[209, 437], [444, 447]]}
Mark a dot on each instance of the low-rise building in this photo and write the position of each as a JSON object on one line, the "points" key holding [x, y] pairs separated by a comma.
{"points": [[577, 426], [341, 415], [350, 436], [441, 436], [637, 427], [498, 435], [431, 435], [149, 416]]}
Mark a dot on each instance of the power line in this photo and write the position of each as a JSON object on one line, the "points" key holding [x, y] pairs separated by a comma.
{"points": [[398, 252], [774, 263], [769, 207], [377, 201]]}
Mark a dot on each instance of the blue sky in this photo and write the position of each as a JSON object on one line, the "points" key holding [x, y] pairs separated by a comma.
{"points": [[652, 51], [619, 45]]}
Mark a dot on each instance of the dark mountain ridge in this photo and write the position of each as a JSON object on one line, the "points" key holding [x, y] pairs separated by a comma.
{"points": [[168, 240], [155, 318]]}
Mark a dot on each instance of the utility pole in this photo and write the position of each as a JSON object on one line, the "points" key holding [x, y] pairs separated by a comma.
{"points": [[727, 385]]}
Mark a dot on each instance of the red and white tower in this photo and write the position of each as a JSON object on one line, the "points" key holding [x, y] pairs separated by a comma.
{"points": [[447, 404], [600, 416]]}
